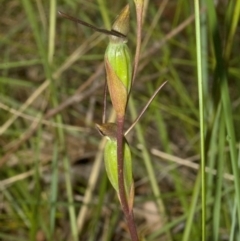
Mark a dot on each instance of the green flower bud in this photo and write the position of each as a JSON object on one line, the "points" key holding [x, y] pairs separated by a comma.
{"points": [[118, 64], [118, 56]]}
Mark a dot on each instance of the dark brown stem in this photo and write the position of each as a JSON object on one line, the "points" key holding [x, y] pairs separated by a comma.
{"points": [[131, 226], [122, 194]]}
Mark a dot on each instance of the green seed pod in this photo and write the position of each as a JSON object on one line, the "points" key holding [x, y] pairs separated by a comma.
{"points": [[118, 64], [110, 159]]}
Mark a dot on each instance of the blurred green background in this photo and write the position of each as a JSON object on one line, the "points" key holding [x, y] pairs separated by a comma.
{"points": [[53, 183]]}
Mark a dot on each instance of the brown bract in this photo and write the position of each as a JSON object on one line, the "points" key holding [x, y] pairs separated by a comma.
{"points": [[121, 24], [108, 129]]}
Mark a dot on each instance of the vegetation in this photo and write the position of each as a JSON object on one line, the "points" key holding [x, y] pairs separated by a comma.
{"points": [[53, 184]]}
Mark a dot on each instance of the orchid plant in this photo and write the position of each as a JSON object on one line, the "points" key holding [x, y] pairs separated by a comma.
{"points": [[120, 76]]}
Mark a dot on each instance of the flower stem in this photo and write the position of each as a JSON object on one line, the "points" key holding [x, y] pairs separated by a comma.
{"points": [[122, 194]]}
